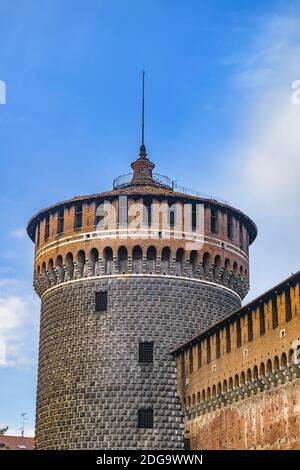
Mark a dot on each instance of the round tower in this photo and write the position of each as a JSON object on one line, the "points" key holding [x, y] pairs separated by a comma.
{"points": [[124, 277]]}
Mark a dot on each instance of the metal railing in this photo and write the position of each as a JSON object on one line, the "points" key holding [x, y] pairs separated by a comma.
{"points": [[125, 180], [165, 182]]}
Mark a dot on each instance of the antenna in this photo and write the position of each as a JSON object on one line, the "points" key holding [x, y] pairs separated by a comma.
{"points": [[23, 424], [143, 105]]}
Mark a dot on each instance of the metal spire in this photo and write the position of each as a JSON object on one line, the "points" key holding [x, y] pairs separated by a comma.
{"points": [[143, 105], [143, 153]]}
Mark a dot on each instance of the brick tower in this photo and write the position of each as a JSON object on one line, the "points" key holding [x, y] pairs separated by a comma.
{"points": [[124, 277]]}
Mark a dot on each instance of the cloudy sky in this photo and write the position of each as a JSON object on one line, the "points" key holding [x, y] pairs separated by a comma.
{"points": [[220, 118]]}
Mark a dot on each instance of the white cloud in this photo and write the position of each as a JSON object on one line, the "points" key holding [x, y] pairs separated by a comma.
{"points": [[19, 233], [18, 324], [265, 170]]}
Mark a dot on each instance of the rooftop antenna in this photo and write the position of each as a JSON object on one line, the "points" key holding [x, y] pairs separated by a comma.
{"points": [[23, 423]]}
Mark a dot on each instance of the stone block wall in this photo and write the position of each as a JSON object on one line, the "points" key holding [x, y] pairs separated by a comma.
{"points": [[90, 384]]}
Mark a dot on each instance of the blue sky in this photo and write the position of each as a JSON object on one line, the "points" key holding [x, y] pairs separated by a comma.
{"points": [[219, 119]]}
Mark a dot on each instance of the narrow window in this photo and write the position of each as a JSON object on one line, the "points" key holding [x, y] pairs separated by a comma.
{"points": [[194, 217], [123, 211], [250, 326], [228, 341], [274, 312], [262, 325], [147, 213], [37, 234], [191, 359], [99, 216], [229, 227], [172, 219], [288, 308], [241, 236], [218, 345], [47, 227], [238, 333], [78, 216], [199, 355], [208, 351], [145, 418], [214, 220], [60, 221], [146, 352], [101, 301]]}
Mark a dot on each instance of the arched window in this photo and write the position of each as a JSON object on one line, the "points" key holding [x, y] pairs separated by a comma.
{"points": [[108, 260], [151, 260], [262, 369], [236, 380], [137, 256], [206, 263], [81, 262], [230, 383], [179, 261], [235, 267], [123, 259], [242, 380], [193, 263], [165, 260], [51, 270], [189, 401], [59, 267], [276, 363], [224, 385], [198, 397], [208, 393], [217, 266], [291, 353], [70, 265], [283, 360], [43, 267], [203, 395], [194, 399], [94, 261], [219, 389], [269, 366], [241, 271], [214, 391], [249, 375]]}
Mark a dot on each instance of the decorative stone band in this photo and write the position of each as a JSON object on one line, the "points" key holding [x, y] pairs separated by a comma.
{"points": [[143, 276], [257, 385], [146, 234]]}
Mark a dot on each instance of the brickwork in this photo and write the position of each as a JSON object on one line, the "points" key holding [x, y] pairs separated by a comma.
{"points": [[90, 385], [248, 354], [269, 420]]}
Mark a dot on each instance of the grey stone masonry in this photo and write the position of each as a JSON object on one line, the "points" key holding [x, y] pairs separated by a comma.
{"points": [[90, 384]]}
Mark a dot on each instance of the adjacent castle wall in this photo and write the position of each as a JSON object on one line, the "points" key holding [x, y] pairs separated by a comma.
{"points": [[269, 420], [241, 365]]}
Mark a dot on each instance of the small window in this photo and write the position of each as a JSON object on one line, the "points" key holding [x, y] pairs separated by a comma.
{"points": [[250, 326], [214, 220], [60, 221], [218, 345], [145, 418], [194, 217], [78, 216], [229, 227], [146, 352], [47, 227], [101, 301], [238, 333]]}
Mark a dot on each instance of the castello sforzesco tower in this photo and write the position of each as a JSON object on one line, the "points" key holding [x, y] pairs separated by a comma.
{"points": [[124, 277]]}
